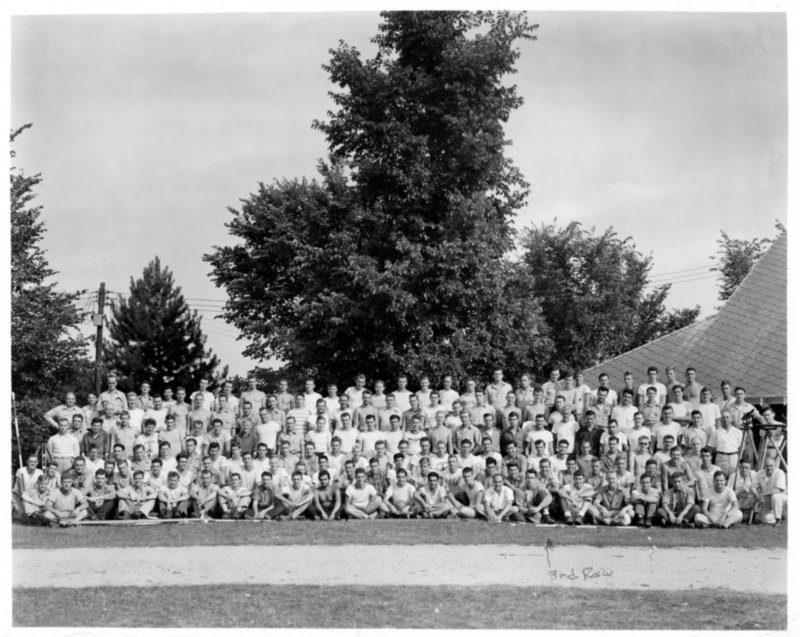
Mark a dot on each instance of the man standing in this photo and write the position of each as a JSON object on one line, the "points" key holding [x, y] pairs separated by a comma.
{"points": [[199, 412], [97, 437], [692, 388], [284, 397], [113, 396], [67, 410], [447, 395], [207, 396], [268, 429], [355, 392], [180, 410], [255, 396], [365, 409], [726, 442], [652, 381], [497, 390], [623, 413], [402, 397], [63, 448], [158, 412], [224, 413]]}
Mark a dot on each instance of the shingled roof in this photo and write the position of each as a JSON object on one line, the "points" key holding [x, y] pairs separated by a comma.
{"points": [[745, 342]]}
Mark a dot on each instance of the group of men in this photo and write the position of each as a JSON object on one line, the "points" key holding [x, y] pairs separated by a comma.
{"points": [[653, 454]]}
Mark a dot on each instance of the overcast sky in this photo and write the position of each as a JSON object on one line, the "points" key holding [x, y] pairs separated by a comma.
{"points": [[667, 126]]}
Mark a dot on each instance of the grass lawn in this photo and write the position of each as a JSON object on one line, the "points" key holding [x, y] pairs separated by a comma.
{"points": [[398, 607], [386, 532]]}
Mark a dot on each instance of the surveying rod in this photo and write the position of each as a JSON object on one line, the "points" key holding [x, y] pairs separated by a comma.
{"points": [[16, 427]]}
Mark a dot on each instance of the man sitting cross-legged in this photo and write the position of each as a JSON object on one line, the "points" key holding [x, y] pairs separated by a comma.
{"points": [[136, 500], [234, 498], [468, 501], [294, 503], [678, 506], [327, 498], [66, 505], [719, 506], [611, 503], [499, 501], [173, 498], [536, 499], [399, 501], [203, 501], [432, 499], [361, 501], [576, 499]]}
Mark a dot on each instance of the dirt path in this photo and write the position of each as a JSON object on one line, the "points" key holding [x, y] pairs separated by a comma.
{"points": [[746, 570]]}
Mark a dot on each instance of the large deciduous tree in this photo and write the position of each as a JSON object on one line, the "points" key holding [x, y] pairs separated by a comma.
{"points": [[155, 337], [393, 260], [47, 351], [594, 293]]}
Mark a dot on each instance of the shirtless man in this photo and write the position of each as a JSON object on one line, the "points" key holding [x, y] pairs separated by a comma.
{"points": [[327, 499]]}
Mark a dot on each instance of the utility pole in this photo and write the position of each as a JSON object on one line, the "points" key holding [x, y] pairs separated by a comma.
{"points": [[97, 319]]}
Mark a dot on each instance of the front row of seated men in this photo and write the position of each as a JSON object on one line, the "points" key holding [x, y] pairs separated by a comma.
{"points": [[536, 497]]}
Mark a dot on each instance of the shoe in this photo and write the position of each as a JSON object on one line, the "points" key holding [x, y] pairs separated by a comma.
{"points": [[647, 524], [546, 519]]}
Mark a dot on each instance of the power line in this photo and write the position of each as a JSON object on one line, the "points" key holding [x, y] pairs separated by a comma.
{"points": [[699, 267]]}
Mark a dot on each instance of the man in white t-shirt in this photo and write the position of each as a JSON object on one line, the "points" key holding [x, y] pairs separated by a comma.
{"points": [[498, 501], [652, 381], [361, 499], [355, 391], [399, 497], [402, 397], [719, 507], [497, 390], [447, 395]]}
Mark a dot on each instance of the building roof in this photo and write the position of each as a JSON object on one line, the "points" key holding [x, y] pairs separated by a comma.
{"points": [[744, 343]]}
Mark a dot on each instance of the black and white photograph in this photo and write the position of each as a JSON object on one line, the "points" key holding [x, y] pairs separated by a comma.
{"points": [[413, 318]]}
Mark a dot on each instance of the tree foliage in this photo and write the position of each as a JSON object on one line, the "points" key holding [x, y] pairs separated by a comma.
{"points": [[735, 257], [47, 352], [155, 337], [594, 293], [393, 260]]}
